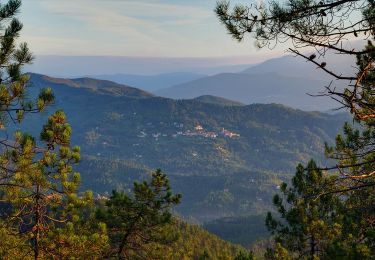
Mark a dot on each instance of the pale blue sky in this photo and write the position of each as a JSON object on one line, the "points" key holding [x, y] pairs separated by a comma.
{"points": [[178, 35], [157, 28]]}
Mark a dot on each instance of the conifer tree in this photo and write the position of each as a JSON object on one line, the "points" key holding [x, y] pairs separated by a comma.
{"points": [[244, 256], [82, 237], [14, 103], [308, 222], [42, 216], [356, 188], [328, 27], [41, 186], [138, 220]]}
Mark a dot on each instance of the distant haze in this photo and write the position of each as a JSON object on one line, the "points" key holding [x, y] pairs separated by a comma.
{"points": [[73, 66], [285, 80]]}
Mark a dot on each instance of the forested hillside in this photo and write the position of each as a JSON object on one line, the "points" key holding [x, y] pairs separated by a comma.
{"points": [[193, 242], [123, 131]]}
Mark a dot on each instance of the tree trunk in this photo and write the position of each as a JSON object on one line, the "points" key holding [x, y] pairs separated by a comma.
{"points": [[312, 247], [38, 223]]}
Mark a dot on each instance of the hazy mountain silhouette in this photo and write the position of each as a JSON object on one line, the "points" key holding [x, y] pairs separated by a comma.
{"points": [[286, 80], [255, 88], [151, 82], [93, 85], [299, 67]]}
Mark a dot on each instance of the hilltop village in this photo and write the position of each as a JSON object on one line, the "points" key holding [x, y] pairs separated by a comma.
{"points": [[197, 131]]}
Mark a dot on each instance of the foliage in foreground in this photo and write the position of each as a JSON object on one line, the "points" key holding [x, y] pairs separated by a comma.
{"points": [[329, 212], [313, 225], [135, 221]]}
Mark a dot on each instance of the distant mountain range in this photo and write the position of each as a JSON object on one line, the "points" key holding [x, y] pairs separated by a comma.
{"points": [[287, 80], [71, 66], [125, 133], [292, 66], [255, 88]]}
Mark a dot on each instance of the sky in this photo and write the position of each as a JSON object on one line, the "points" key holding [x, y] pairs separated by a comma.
{"points": [[185, 29], [157, 28]]}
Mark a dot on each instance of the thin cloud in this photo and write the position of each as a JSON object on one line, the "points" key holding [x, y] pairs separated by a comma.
{"points": [[131, 22], [127, 13], [125, 27]]}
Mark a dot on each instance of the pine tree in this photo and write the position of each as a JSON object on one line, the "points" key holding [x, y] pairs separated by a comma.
{"points": [[308, 222], [14, 103], [327, 27], [354, 151], [137, 220], [41, 186], [82, 237], [41, 209], [245, 256]]}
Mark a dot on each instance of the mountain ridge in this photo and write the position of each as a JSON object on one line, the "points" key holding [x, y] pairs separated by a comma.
{"points": [[255, 88], [220, 173], [218, 100], [95, 85]]}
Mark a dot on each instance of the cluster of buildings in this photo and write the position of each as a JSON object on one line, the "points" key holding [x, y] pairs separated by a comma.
{"points": [[198, 131]]}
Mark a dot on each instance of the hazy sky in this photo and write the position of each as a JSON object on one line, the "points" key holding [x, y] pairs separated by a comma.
{"points": [[158, 28]]}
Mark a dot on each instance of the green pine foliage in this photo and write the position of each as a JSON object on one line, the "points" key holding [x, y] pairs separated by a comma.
{"points": [[320, 215], [136, 220], [314, 223], [193, 242], [42, 216], [40, 184], [324, 215], [13, 84], [308, 222]]}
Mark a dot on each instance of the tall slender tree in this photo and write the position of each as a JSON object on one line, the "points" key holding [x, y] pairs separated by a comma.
{"points": [[14, 102]]}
